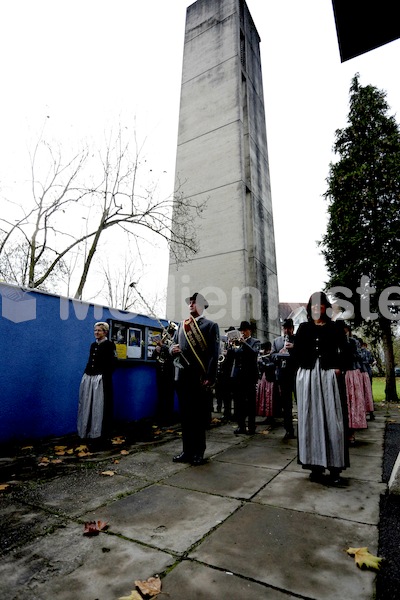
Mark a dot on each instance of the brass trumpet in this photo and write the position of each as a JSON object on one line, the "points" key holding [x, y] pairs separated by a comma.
{"points": [[234, 338]]}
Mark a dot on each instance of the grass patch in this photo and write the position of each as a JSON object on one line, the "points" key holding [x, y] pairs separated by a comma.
{"points": [[378, 388]]}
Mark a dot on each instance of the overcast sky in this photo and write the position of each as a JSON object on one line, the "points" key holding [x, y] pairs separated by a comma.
{"points": [[87, 64]]}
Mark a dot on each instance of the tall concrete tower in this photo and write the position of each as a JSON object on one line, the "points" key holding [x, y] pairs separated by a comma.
{"points": [[222, 160]]}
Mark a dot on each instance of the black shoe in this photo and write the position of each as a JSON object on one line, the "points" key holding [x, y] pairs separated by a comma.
{"points": [[239, 430], [182, 458], [371, 416], [317, 475], [335, 480], [289, 435], [197, 460]]}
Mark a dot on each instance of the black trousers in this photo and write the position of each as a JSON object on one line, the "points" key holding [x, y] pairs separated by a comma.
{"points": [[194, 411], [245, 403], [286, 389]]}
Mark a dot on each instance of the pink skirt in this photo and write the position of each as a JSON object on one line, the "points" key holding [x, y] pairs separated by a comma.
{"points": [[368, 399], [355, 400], [265, 398]]}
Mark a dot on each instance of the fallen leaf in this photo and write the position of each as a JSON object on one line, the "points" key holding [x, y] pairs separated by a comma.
{"points": [[134, 596], [70, 451], [364, 559], [149, 587], [118, 440], [170, 431], [109, 473], [27, 448], [60, 453], [124, 452], [82, 448], [56, 461], [83, 454], [4, 486], [94, 527], [60, 448]]}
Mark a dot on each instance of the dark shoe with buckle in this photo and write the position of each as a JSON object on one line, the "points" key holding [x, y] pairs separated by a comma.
{"points": [[335, 479], [182, 458], [240, 430], [197, 460]]}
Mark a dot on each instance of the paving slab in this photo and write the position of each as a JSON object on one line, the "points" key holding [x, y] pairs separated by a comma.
{"points": [[296, 552], [166, 517], [362, 466], [223, 478], [21, 523], [358, 501], [151, 465], [70, 566], [273, 457], [190, 580], [74, 493]]}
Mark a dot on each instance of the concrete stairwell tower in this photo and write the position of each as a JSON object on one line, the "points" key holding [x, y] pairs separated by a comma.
{"points": [[222, 159]]}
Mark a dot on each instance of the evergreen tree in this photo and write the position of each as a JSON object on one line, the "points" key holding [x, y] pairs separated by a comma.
{"points": [[362, 243]]}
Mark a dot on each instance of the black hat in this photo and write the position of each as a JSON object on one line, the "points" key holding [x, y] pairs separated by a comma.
{"points": [[198, 298], [244, 325], [288, 323], [230, 329]]}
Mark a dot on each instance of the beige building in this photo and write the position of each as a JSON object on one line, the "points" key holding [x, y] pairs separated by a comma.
{"points": [[222, 159]]}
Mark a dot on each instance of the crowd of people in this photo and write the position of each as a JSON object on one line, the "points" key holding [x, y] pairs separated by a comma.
{"points": [[323, 367]]}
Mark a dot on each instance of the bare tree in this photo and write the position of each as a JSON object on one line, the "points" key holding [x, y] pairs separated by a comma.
{"points": [[123, 200], [121, 194], [28, 244]]}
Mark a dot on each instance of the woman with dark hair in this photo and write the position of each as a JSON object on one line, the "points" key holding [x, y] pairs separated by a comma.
{"points": [[322, 416]]}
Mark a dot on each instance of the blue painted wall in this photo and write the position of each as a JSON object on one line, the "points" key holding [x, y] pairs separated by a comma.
{"points": [[44, 347]]}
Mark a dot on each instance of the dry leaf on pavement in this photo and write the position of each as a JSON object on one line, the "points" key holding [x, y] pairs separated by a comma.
{"points": [[94, 527], [118, 440], [133, 596], [150, 587], [82, 448], [109, 473], [364, 559]]}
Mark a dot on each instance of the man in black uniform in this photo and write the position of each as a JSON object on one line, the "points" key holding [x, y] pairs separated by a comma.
{"points": [[196, 350], [285, 374], [244, 379]]}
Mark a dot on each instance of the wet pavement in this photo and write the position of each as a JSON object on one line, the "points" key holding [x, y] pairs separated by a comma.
{"points": [[247, 523]]}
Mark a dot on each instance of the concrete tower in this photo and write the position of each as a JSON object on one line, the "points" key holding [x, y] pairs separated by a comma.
{"points": [[222, 160]]}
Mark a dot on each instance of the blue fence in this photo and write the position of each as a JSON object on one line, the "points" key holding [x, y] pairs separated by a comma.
{"points": [[44, 347]]}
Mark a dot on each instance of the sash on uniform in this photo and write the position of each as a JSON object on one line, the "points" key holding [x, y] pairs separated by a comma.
{"points": [[196, 341]]}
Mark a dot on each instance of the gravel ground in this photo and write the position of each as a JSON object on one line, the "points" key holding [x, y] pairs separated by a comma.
{"points": [[388, 580]]}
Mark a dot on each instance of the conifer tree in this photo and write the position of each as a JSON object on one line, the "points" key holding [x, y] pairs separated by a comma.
{"points": [[362, 243]]}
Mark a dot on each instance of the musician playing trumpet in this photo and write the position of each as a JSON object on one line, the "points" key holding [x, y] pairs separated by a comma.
{"points": [[195, 348], [245, 378]]}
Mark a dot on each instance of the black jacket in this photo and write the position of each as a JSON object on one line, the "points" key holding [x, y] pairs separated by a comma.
{"points": [[326, 342]]}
